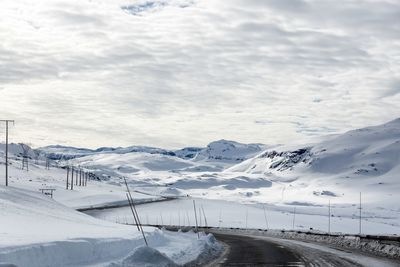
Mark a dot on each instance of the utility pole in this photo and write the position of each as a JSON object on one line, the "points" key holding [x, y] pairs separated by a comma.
{"points": [[72, 177], [7, 122], [25, 156], [67, 178], [360, 214], [329, 214]]}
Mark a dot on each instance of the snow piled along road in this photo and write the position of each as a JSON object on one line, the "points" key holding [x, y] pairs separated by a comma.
{"points": [[38, 231]]}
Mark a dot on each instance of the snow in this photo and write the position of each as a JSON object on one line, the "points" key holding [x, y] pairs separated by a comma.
{"points": [[38, 231], [221, 213], [235, 185]]}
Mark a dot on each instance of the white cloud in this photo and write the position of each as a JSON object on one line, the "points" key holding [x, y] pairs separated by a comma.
{"points": [[174, 73]]}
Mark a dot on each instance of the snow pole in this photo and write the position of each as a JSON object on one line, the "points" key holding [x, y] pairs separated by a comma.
{"points": [[195, 216], [204, 214], [133, 212], [294, 217], [141, 228], [187, 216], [162, 221], [247, 215], [265, 217], [220, 219], [132, 205], [200, 217]]}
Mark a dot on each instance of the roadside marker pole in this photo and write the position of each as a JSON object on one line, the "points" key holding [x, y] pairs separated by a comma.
{"points": [[247, 215], [132, 206], [195, 216], [130, 200], [133, 213], [187, 216], [294, 217], [265, 216], [205, 218], [200, 217]]}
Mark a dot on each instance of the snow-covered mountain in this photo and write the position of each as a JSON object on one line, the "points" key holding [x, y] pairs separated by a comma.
{"points": [[228, 151], [216, 156], [365, 160], [371, 151]]}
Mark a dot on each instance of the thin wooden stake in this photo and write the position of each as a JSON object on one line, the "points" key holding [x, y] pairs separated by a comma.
{"points": [[130, 200], [265, 216], [294, 217], [204, 214], [195, 216]]}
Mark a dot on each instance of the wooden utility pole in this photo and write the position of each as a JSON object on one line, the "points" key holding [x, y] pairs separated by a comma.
{"points": [[329, 214], [67, 178], [72, 178], [360, 214], [7, 122]]}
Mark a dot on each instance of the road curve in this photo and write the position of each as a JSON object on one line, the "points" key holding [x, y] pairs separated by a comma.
{"points": [[263, 251]]}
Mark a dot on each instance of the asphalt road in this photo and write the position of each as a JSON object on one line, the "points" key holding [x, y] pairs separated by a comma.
{"points": [[248, 251], [254, 251]]}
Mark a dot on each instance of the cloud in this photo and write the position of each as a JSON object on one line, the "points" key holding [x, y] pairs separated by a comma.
{"points": [[175, 73]]}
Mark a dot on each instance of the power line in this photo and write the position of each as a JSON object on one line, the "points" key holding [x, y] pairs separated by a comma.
{"points": [[7, 122]]}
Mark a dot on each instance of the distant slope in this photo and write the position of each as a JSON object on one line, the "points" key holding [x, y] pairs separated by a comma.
{"points": [[368, 152], [216, 156], [228, 151]]}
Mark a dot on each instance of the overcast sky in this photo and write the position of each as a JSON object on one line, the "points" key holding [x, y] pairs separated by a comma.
{"points": [[187, 72]]}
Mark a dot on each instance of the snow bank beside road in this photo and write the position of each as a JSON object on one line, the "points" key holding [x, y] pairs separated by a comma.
{"points": [[192, 252], [37, 231]]}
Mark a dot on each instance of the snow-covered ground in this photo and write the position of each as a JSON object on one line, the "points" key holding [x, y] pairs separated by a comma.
{"points": [[235, 185], [38, 231], [305, 177], [220, 213]]}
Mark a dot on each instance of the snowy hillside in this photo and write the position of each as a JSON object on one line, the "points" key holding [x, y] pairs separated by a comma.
{"points": [[367, 152], [228, 151], [222, 150]]}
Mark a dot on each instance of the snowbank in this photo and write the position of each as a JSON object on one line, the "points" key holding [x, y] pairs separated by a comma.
{"points": [[38, 231], [196, 253]]}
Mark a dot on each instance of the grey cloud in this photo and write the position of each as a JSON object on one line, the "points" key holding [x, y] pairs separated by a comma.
{"points": [[185, 73]]}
